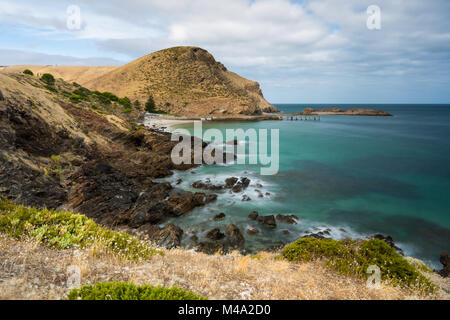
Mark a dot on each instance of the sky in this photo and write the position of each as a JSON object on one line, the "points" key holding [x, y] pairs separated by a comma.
{"points": [[304, 51]]}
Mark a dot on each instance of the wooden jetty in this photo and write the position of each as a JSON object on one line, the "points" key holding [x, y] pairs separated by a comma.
{"points": [[299, 117]]}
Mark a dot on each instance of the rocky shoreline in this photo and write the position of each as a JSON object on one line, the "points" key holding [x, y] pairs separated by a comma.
{"points": [[343, 112], [67, 156]]}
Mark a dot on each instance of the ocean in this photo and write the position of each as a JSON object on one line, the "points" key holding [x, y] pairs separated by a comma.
{"points": [[355, 176]]}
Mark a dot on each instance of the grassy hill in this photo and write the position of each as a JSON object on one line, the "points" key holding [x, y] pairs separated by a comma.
{"points": [[185, 80]]}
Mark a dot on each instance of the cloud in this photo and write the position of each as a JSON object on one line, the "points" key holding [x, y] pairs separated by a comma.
{"points": [[17, 57], [322, 44]]}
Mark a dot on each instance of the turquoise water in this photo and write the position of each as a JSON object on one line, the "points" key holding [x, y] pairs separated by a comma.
{"points": [[353, 175]]}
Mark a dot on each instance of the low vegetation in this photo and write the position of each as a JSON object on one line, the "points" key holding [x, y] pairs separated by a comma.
{"points": [[28, 71], [48, 79], [353, 258], [129, 291], [150, 105], [64, 230]]}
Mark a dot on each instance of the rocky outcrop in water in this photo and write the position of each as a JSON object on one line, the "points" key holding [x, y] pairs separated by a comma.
{"points": [[352, 112], [267, 221], [289, 219], [445, 260], [235, 239]]}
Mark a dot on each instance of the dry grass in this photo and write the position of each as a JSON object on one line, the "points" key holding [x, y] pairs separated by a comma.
{"points": [[31, 271]]}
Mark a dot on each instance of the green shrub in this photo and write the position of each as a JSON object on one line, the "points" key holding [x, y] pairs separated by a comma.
{"points": [[56, 159], [137, 104], [50, 88], [28, 71], [101, 98], [48, 79], [126, 111], [82, 92], [351, 257], [129, 291], [75, 98], [125, 102], [110, 96], [64, 230], [150, 105]]}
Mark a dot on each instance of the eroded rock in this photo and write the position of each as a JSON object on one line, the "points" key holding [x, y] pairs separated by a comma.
{"points": [[289, 219], [235, 239], [253, 215], [445, 260], [215, 234], [267, 221]]}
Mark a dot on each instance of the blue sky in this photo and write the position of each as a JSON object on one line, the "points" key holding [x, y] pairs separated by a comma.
{"points": [[310, 51]]}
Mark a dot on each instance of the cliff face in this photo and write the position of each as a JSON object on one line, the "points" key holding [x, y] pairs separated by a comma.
{"points": [[185, 81], [58, 154]]}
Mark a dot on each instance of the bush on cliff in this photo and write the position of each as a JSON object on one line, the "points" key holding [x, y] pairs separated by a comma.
{"points": [[150, 105], [75, 98], [110, 96], [28, 71], [48, 79], [84, 93], [128, 291], [352, 257], [125, 102], [60, 229]]}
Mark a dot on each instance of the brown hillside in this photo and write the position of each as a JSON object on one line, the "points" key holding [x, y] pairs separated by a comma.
{"points": [[186, 81], [78, 74]]}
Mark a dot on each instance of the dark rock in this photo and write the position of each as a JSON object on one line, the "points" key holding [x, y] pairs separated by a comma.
{"points": [[245, 182], [215, 234], [276, 246], [259, 185], [179, 181], [237, 188], [253, 215], [230, 182], [319, 235], [290, 219], [235, 239], [206, 186], [267, 194], [181, 203], [445, 260], [260, 194], [252, 231], [194, 238], [168, 237], [267, 221], [286, 232], [144, 216], [219, 216], [388, 240], [210, 247], [1, 96], [246, 198], [237, 185]]}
